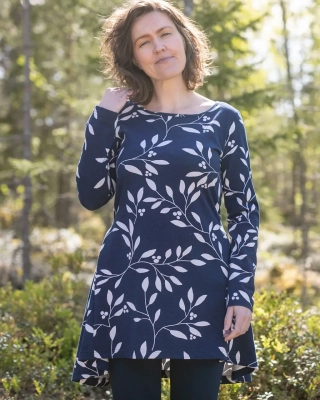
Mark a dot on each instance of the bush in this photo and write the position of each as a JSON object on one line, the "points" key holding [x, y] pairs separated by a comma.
{"points": [[40, 326]]}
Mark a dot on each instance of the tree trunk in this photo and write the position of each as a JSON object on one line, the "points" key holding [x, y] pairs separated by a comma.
{"points": [[27, 200]]}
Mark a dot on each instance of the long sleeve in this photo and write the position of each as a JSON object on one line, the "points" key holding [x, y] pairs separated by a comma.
{"points": [[243, 216], [96, 177]]}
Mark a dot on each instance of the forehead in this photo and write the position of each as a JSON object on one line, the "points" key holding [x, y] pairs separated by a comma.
{"points": [[149, 23]]}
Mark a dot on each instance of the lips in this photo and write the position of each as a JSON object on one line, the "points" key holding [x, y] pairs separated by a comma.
{"points": [[163, 59]]}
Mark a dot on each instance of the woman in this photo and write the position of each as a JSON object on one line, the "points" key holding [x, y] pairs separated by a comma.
{"points": [[172, 294]]}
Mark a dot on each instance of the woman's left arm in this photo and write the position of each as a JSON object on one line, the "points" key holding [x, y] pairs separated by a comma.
{"points": [[243, 215]]}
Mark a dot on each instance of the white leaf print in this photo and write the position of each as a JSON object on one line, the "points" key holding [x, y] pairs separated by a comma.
{"points": [[126, 240], [190, 151], [137, 242], [157, 315], [197, 262], [158, 284], [175, 280], [168, 286], [195, 331], [140, 194], [130, 197], [117, 283], [101, 160], [117, 347], [145, 284], [77, 174], [230, 344], [122, 226], [113, 332], [100, 183], [246, 237], [182, 186], [249, 194], [97, 291], [191, 187], [85, 375], [190, 295], [232, 128], [208, 127], [199, 145], [200, 300], [209, 154], [178, 334], [156, 205], [215, 122], [239, 201], [91, 129], [226, 182], [195, 196], [202, 181], [133, 169], [134, 355], [233, 275], [238, 357], [189, 129], [178, 223], [159, 162], [199, 237], [143, 349], [235, 266], [102, 282], [127, 109], [165, 210], [217, 207], [244, 161], [220, 247], [168, 253], [148, 253], [168, 119], [85, 144], [194, 174], [125, 118], [143, 112], [223, 351], [88, 328], [241, 257], [155, 139], [155, 354], [142, 270], [137, 319], [250, 244], [245, 280], [207, 256], [118, 312], [187, 251], [169, 191], [129, 209], [238, 239], [119, 300], [150, 120], [201, 323], [178, 251], [109, 297], [232, 150], [182, 305], [253, 207], [149, 199], [95, 114], [151, 169], [186, 355], [163, 143], [151, 184], [243, 179], [131, 305], [244, 295], [196, 217], [224, 271], [96, 354], [153, 298], [180, 269], [131, 228]]}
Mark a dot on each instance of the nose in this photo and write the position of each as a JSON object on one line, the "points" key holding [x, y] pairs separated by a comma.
{"points": [[159, 46]]}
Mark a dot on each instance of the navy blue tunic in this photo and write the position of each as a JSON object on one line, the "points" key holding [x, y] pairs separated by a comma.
{"points": [[167, 270]]}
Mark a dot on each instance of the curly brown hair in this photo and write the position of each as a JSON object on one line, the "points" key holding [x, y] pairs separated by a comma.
{"points": [[117, 50]]}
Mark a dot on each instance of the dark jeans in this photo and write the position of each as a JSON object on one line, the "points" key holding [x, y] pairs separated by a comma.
{"points": [[140, 379]]}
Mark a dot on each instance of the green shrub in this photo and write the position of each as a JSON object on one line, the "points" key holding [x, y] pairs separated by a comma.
{"points": [[40, 326]]}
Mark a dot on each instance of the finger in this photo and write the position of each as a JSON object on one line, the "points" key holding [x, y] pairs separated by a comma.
{"points": [[228, 319], [239, 328]]}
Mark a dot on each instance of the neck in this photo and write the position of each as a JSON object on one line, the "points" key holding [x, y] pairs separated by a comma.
{"points": [[170, 95]]}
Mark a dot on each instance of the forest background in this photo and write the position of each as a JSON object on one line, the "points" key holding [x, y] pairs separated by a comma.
{"points": [[266, 63]]}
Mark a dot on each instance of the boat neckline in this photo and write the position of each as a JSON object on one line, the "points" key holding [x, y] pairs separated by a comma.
{"points": [[176, 114]]}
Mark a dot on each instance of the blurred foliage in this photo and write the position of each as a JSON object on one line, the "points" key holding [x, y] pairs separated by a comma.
{"points": [[39, 329]]}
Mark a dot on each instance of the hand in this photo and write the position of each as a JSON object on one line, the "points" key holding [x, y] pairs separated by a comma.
{"points": [[115, 98], [243, 318]]}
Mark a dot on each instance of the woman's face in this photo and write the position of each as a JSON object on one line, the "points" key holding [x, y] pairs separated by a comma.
{"points": [[158, 47]]}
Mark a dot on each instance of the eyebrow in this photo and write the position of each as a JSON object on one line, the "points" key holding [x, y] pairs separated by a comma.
{"points": [[147, 34]]}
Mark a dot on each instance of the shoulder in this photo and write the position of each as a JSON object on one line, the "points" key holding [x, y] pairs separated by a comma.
{"points": [[229, 111]]}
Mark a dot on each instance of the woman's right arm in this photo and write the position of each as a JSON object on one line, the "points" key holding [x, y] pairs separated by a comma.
{"points": [[96, 178]]}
